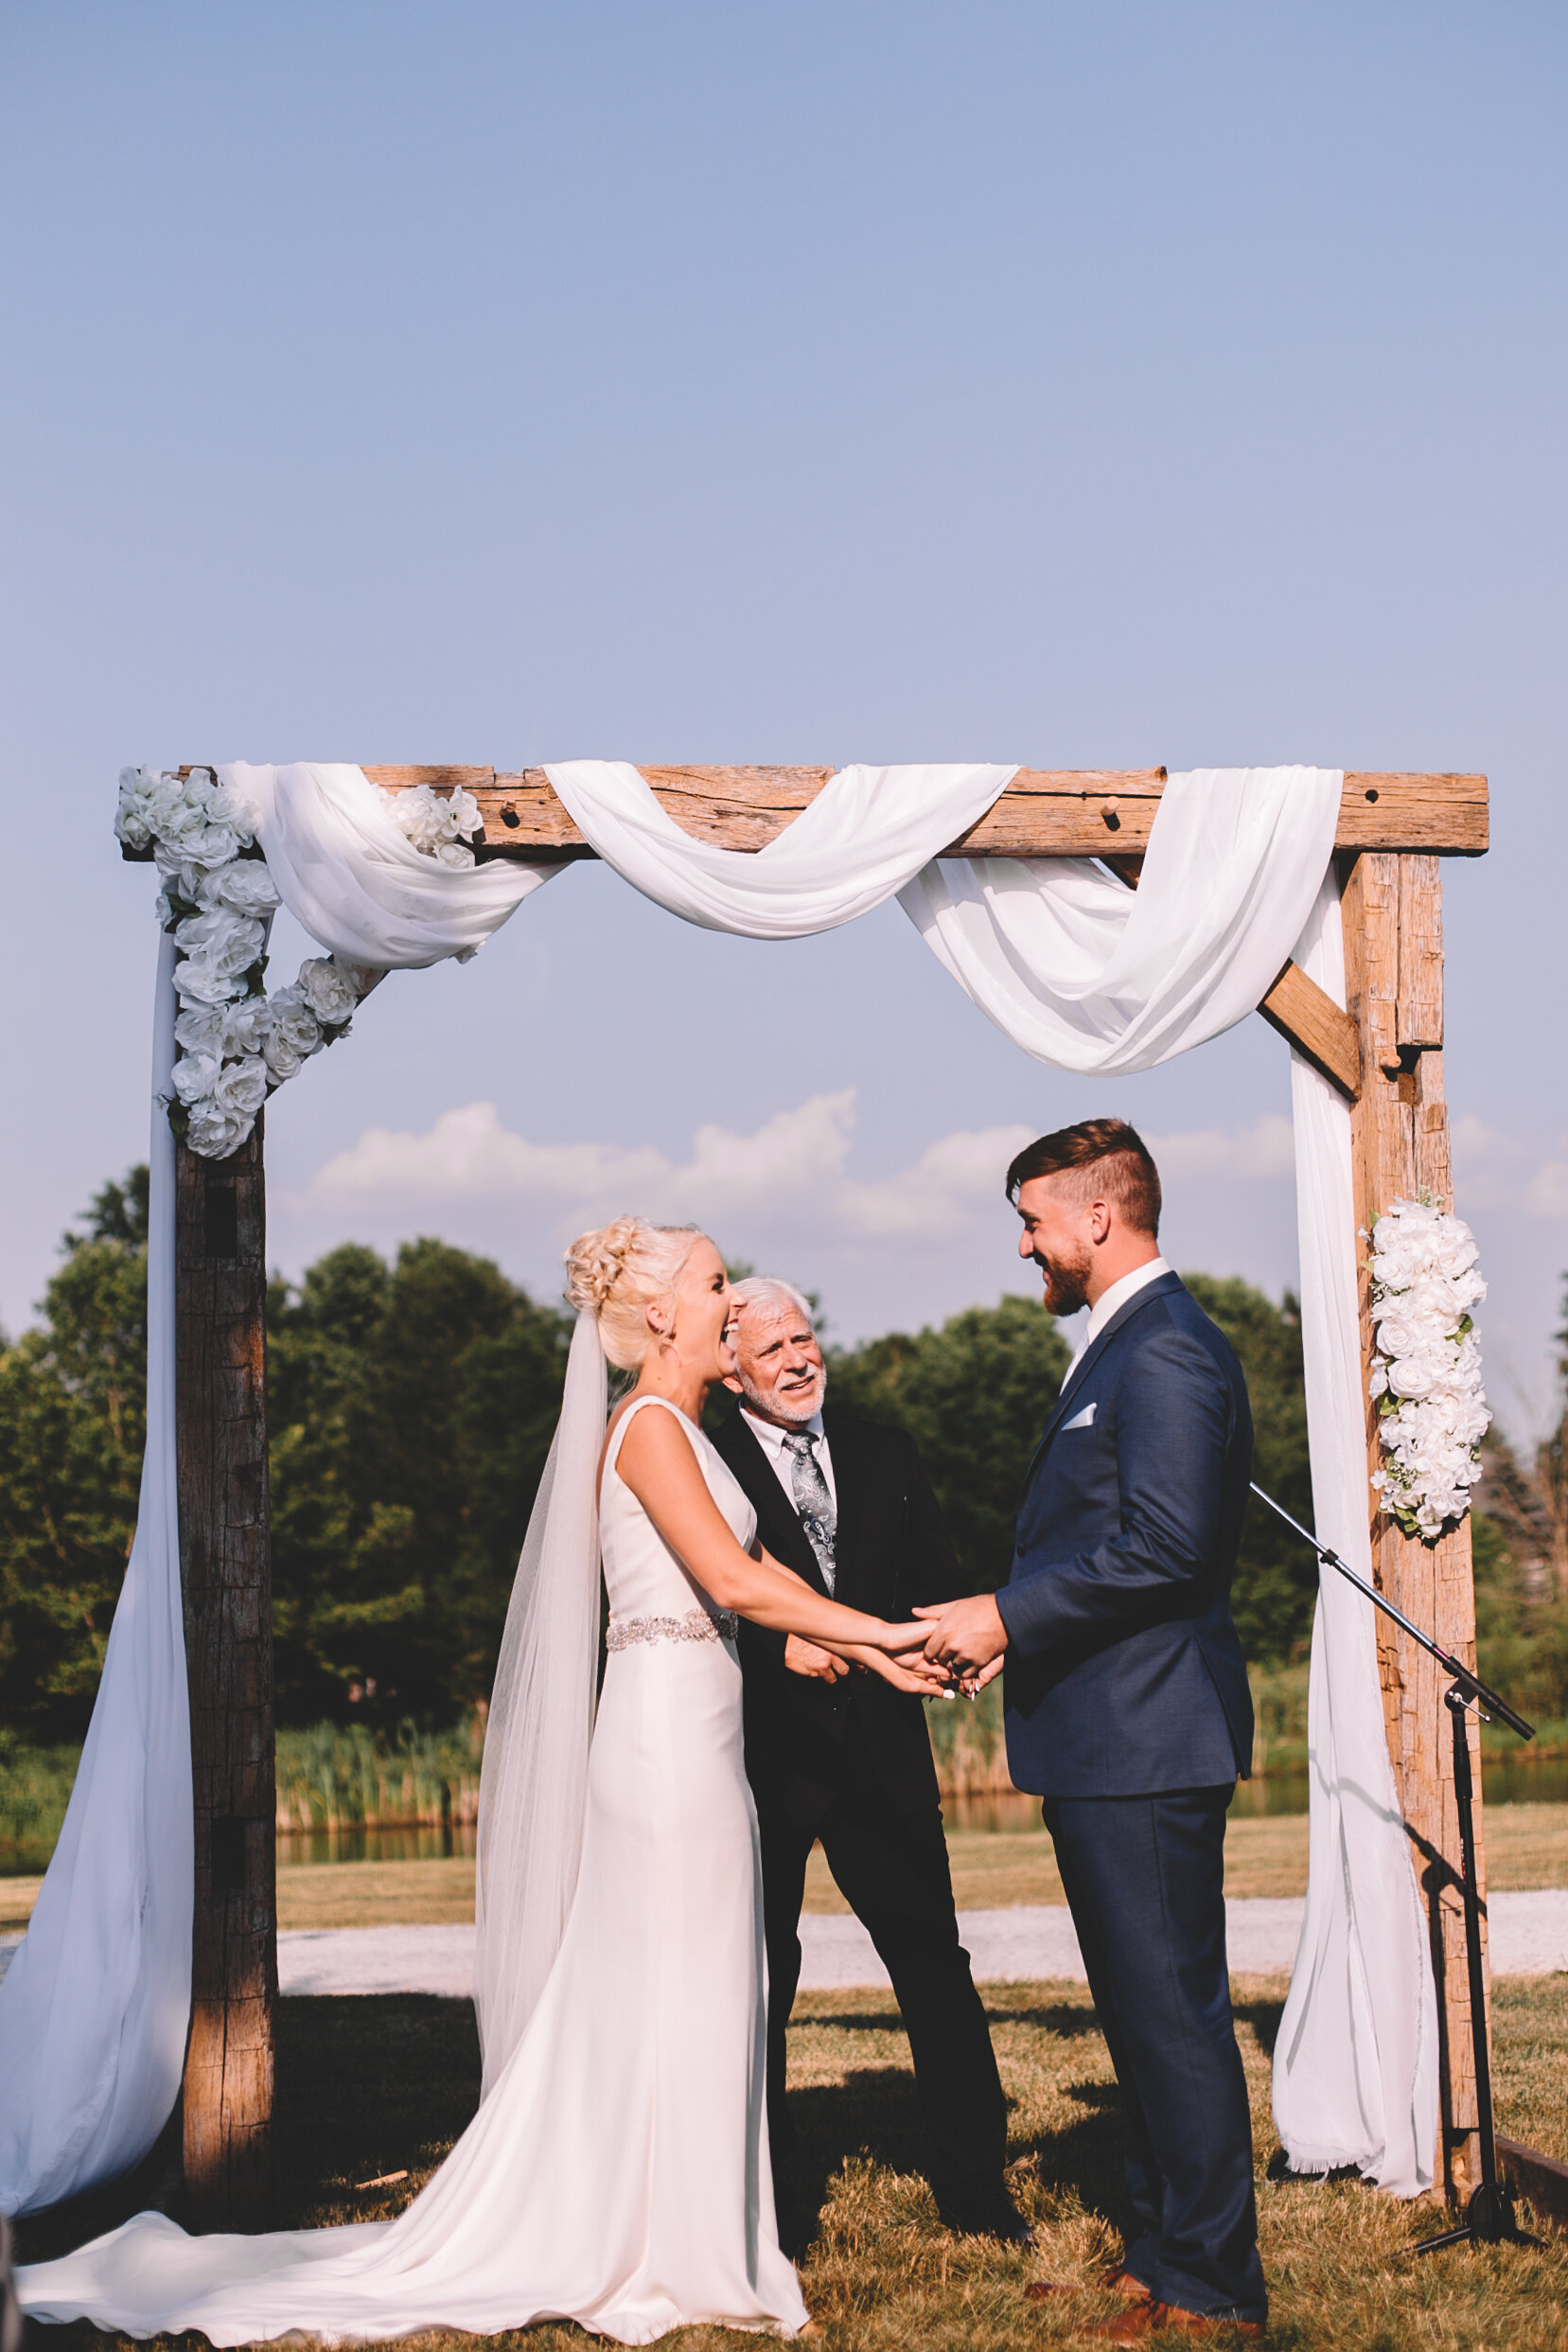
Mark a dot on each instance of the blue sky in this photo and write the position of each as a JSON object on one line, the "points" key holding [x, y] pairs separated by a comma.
{"points": [[1084, 386]]}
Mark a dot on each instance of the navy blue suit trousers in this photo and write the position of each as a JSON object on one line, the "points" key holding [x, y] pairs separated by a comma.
{"points": [[1145, 1877]]}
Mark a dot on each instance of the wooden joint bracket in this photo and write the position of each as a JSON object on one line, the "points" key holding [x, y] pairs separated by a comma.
{"points": [[1320, 1029]]}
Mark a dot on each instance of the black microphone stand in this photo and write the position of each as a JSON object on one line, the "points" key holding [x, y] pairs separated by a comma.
{"points": [[1488, 2215]]}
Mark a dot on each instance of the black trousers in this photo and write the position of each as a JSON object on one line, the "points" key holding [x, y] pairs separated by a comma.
{"points": [[891, 1869], [1145, 1878]]}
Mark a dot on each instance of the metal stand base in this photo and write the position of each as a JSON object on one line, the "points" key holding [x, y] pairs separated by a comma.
{"points": [[1488, 2216], [1489, 2221]]}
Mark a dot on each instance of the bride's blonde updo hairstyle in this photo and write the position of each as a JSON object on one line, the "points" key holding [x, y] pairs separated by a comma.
{"points": [[620, 1272]]}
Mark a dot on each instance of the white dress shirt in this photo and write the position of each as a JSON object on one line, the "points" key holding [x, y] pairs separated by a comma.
{"points": [[772, 1439], [1107, 1304]]}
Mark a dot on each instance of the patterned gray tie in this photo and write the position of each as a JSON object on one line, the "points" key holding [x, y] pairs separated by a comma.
{"points": [[809, 1488]]}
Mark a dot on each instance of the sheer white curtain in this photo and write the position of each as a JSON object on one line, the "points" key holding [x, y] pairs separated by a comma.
{"points": [[1081, 973], [94, 2006], [1355, 2065]]}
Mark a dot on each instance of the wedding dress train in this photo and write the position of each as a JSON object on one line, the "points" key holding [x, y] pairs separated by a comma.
{"points": [[617, 2172]]}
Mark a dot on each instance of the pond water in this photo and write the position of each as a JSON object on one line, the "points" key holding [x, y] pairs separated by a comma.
{"points": [[1505, 1783]]}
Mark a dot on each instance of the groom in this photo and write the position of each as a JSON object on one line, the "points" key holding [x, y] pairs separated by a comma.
{"points": [[839, 1756], [1127, 1709]]}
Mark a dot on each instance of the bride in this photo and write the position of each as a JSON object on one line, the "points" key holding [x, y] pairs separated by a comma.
{"points": [[617, 2172]]}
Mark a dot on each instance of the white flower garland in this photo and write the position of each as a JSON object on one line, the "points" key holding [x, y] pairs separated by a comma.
{"points": [[1426, 1365], [236, 1044]]}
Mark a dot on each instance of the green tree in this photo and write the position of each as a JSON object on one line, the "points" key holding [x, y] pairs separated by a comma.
{"points": [[1275, 1585], [72, 1427], [975, 1395], [412, 1407]]}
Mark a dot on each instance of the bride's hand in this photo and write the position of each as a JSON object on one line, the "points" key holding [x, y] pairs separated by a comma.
{"points": [[901, 1642], [915, 1678]]}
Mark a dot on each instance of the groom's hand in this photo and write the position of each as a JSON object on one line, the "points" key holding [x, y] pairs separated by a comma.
{"points": [[804, 1657], [966, 1635]]}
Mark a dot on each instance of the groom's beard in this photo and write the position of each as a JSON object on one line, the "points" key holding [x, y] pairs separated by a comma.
{"points": [[1066, 1282]]}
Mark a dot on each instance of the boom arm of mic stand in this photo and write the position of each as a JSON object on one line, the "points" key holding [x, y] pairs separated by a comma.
{"points": [[1476, 1693]]}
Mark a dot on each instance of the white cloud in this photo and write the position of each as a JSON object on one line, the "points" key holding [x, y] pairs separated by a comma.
{"points": [[791, 1175], [1493, 1169], [1254, 1155], [1547, 1192]]}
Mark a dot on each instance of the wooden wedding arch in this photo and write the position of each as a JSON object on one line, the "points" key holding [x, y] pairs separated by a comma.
{"points": [[1384, 1052]]}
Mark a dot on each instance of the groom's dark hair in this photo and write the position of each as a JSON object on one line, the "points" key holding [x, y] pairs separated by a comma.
{"points": [[1123, 1168]]}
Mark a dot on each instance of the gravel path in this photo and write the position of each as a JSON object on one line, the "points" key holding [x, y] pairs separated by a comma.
{"points": [[1529, 1938]]}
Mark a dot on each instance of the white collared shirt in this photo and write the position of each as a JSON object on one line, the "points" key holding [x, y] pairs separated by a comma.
{"points": [[1107, 1304], [772, 1439]]}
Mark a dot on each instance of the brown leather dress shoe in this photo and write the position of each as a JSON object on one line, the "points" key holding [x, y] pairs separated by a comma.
{"points": [[1117, 2282], [1140, 2321]]}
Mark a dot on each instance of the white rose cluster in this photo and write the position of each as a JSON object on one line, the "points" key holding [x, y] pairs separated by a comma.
{"points": [[436, 827], [1426, 1365], [237, 1043]]}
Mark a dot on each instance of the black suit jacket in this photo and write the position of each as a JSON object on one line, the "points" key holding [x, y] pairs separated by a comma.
{"points": [[806, 1741]]}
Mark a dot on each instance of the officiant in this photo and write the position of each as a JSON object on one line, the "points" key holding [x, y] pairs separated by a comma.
{"points": [[839, 1755]]}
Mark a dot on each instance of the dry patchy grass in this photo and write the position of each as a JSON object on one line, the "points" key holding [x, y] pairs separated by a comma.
{"points": [[368, 2086]]}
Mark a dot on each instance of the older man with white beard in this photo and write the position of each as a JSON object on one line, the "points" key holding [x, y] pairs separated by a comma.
{"points": [[840, 1754]]}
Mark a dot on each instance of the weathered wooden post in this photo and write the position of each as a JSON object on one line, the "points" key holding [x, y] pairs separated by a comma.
{"points": [[220, 1256], [1392, 909]]}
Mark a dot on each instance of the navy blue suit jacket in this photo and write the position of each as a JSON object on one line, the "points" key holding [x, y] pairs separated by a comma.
{"points": [[1124, 1674]]}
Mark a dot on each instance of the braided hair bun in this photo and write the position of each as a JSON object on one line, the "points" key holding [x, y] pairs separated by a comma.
{"points": [[621, 1271]]}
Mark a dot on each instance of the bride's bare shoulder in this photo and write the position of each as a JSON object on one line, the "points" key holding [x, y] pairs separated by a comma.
{"points": [[654, 1442]]}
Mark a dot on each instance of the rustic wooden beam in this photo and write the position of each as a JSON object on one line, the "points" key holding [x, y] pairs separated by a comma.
{"points": [[1392, 909], [1090, 812], [1044, 812], [1308, 1016], [220, 1419]]}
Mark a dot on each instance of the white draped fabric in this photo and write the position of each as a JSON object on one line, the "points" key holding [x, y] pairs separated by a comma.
{"points": [[1355, 2066], [95, 2007], [856, 844], [1082, 973], [358, 884], [1087, 975]]}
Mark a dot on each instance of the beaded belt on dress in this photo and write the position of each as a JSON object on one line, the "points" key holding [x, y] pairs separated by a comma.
{"points": [[698, 1625]]}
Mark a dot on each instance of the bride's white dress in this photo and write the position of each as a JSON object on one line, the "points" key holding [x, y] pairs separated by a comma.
{"points": [[618, 2172]]}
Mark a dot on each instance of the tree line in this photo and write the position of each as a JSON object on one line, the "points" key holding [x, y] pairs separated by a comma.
{"points": [[412, 1405]]}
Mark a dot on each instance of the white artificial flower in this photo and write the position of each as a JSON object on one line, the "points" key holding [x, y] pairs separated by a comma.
{"points": [[229, 807], [436, 825], [244, 885], [215, 845], [246, 1026], [214, 1134], [228, 941], [294, 1034], [198, 981], [328, 989], [463, 811], [283, 1057], [1427, 1358], [196, 1077], [200, 1030], [242, 1086]]}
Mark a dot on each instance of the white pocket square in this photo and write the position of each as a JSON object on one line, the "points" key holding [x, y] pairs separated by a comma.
{"points": [[1081, 1420]]}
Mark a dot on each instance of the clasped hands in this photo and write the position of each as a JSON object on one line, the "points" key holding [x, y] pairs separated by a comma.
{"points": [[961, 1652]]}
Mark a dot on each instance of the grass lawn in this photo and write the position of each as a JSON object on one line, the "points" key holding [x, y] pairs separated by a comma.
{"points": [[992, 1869], [369, 2086]]}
